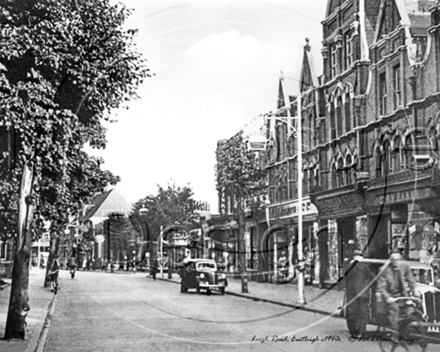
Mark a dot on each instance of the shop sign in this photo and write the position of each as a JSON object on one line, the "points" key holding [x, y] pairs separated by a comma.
{"points": [[404, 196], [291, 210], [180, 242], [341, 203], [179, 238]]}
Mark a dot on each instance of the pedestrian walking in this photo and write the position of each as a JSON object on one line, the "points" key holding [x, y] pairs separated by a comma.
{"points": [[72, 267], [41, 262], [54, 274], [154, 268]]}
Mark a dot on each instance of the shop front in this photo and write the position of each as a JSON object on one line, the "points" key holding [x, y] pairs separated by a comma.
{"points": [[222, 246], [280, 242], [343, 228], [406, 216]]}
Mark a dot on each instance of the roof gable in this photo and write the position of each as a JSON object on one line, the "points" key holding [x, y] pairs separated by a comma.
{"points": [[389, 18], [332, 5], [104, 204]]}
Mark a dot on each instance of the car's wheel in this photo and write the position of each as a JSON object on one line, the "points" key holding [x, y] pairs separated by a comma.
{"points": [[208, 291], [222, 290]]}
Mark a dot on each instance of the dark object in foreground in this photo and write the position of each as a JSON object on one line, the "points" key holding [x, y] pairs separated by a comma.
{"points": [[202, 274]]}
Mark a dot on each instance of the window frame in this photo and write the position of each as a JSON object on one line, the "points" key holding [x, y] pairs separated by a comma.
{"points": [[397, 86], [349, 57], [382, 93]]}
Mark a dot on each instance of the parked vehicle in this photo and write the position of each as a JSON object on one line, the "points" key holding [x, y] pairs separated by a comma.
{"points": [[202, 274], [362, 305]]}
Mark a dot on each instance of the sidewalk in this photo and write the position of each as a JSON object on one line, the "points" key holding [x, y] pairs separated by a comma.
{"points": [[40, 300], [322, 301]]}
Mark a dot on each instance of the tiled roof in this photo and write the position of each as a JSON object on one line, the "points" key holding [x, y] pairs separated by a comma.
{"points": [[104, 204], [419, 24]]}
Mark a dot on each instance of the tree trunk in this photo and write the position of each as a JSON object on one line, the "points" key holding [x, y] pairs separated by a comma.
{"points": [[18, 301], [242, 251], [19, 298]]}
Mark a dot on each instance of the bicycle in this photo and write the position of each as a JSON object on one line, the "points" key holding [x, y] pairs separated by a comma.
{"points": [[411, 331]]}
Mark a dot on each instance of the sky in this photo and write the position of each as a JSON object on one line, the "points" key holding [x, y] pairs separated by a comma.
{"points": [[216, 66]]}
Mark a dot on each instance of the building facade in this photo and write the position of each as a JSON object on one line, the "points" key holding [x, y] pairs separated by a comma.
{"points": [[378, 128], [284, 174]]}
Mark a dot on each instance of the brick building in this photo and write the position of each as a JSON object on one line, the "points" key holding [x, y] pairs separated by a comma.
{"points": [[378, 128]]}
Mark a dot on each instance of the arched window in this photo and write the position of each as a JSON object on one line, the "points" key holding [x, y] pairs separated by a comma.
{"points": [[378, 162], [387, 167], [305, 182], [397, 155], [348, 170], [339, 119], [332, 121], [333, 176], [317, 178], [340, 172], [348, 115], [409, 149]]}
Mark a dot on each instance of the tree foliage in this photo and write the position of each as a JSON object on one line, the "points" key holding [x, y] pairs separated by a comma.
{"points": [[64, 65], [238, 171], [172, 205]]}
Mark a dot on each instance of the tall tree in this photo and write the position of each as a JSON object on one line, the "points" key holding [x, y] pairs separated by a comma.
{"points": [[64, 65], [239, 174], [172, 205]]}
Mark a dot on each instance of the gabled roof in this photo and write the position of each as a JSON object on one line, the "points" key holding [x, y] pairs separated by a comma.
{"points": [[332, 5], [420, 23], [414, 14], [104, 204]]}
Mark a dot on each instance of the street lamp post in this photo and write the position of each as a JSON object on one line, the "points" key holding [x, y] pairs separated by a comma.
{"points": [[109, 260], [143, 212], [298, 134]]}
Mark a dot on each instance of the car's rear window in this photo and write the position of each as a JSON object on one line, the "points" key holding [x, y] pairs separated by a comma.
{"points": [[205, 265]]}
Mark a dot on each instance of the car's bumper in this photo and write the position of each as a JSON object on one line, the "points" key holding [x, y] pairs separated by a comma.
{"points": [[208, 285]]}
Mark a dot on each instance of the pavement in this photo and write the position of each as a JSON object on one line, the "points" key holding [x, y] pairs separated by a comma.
{"points": [[322, 301], [40, 301], [43, 304]]}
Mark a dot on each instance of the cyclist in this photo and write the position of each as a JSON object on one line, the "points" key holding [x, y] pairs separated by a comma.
{"points": [[396, 281]]}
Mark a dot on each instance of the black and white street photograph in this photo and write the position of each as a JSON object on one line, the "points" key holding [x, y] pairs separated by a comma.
{"points": [[219, 175]]}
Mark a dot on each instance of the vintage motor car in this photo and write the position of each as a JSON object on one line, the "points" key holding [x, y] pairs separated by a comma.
{"points": [[360, 295], [202, 274]]}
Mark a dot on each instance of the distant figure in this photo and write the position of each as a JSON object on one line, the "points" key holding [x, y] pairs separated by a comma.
{"points": [[282, 265], [72, 267], [154, 268], [42, 262], [54, 273]]}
